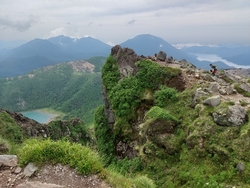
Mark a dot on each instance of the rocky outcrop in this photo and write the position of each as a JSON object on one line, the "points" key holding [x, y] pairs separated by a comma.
{"points": [[126, 58], [231, 116], [212, 92], [31, 128]]}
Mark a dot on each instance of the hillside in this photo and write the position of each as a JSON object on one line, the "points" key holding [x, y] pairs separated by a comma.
{"points": [[73, 88], [164, 124], [188, 128]]}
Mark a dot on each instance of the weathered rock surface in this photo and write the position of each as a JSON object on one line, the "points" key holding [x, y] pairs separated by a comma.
{"points": [[161, 56], [8, 160], [212, 101], [29, 170], [31, 128], [232, 116]]}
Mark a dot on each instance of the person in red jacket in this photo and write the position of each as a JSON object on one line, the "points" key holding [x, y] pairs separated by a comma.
{"points": [[214, 69]]}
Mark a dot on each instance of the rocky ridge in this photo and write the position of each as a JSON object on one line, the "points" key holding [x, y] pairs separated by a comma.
{"points": [[213, 91]]}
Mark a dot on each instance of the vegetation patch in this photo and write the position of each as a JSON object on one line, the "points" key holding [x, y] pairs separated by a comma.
{"points": [[9, 129], [164, 95], [158, 113], [75, 155]]}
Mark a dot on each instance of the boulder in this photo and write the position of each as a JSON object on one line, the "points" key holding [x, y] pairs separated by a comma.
{"points": [[240, 167], [8, 160], [170, 59], [222, 91], [184, 64], [230, 90], [214, 87], [29, 170], [212, 101], [235, 115], [198, 96], [161, 56]]}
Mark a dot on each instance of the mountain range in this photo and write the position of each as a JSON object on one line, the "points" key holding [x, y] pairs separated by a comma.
{"points": [[39, 53]]}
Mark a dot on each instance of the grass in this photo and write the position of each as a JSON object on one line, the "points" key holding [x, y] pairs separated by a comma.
{"points": [[75, 155], [4, 146], [82, 158]]}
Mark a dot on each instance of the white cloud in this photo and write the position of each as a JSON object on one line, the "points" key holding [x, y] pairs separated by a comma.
{"points": [[179, 21], [58, 31]]}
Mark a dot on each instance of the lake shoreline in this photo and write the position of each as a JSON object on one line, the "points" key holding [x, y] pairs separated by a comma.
{"points": [[43, 116]]}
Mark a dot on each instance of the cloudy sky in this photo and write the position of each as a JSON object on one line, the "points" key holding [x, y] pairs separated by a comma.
{"points": [[115, 21]]}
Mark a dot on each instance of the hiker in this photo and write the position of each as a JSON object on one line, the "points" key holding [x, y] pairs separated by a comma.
{"points": [[214, 69]]}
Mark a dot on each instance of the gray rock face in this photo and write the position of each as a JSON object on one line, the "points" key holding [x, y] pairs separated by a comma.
{"points": [[185, 64], [230, 90], [29, 169], [197, 96], [161, 56], [212, 101], [245, 87], [240, 167], [232, 116], [170, 59], [214, 87], [108, 110], [126, 59], [8, 160], [223, 91], [126, 150]]}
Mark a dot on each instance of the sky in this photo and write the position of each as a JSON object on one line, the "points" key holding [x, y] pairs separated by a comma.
{"points": [[207, 22]]}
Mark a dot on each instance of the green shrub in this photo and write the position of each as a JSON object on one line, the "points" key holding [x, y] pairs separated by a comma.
{"points": [[143, 182], [9, 129], [75, 155], [110, 73], [74, 130], [151, 75], [127, 166], [125, 96], [104, 136], [164, 94], [158, 113], [139, 181]]}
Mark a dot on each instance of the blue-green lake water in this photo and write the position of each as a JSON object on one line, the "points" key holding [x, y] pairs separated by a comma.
{"points": [[39, 116]]}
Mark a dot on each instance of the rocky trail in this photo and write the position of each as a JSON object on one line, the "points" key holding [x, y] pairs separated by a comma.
{"points": [[48, 176]]}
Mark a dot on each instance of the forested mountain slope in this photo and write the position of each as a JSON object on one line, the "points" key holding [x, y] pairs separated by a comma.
{"points": [[73, 88]]}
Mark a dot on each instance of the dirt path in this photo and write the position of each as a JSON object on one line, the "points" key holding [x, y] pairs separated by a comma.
{"points": [[50, 174]]}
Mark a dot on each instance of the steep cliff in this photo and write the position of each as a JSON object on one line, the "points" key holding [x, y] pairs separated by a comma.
{"points": [[186, 126]]}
